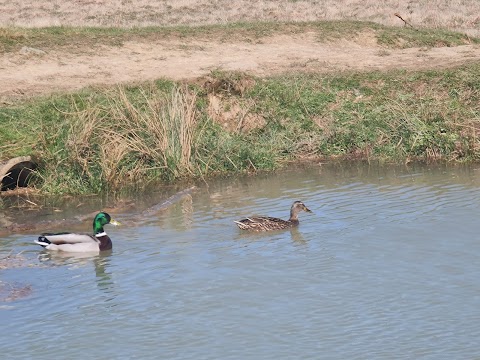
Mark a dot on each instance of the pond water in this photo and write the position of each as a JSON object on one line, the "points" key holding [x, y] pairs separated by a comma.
{"points": [[386, 267]]}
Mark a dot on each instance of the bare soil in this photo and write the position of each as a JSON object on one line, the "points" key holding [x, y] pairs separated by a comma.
{"points": [[32, 72]]}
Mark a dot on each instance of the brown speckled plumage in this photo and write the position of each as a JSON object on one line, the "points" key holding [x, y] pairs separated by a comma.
{"points": [[266, 223]]}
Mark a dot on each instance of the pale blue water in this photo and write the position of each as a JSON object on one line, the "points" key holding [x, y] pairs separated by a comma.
{"points": [[387, 267]]}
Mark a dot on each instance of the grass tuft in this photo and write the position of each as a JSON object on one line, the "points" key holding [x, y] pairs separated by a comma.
{"points": [[125, 136]]}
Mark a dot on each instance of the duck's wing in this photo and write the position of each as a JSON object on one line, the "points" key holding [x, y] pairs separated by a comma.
{"points": [[69, 242], [262, 223], [67, 238]]}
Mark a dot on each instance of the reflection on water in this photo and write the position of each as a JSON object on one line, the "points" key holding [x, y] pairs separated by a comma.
{"points": [[385, 267], [99, 262]]}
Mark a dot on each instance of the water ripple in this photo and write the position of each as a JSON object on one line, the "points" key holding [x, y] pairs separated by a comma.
{"points": [[385, 267]]}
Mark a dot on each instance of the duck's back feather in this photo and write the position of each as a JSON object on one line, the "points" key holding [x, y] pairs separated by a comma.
{"points": [[69, 242], [264, 223], [71, 248], [68, 238]]}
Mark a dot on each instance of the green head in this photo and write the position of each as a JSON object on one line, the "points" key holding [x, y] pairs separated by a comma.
{"points": [[102, 219]]}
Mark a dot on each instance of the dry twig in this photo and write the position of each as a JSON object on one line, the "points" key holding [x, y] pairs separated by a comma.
{"points": [[406, 23]]}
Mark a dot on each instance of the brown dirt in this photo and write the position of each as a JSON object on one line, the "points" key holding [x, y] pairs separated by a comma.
{"points": [[29, 72]]}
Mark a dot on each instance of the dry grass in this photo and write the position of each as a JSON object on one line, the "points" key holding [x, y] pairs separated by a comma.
{"points": [[129, 137], [456, 14]]}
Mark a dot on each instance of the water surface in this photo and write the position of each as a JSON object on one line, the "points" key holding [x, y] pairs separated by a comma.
{"points": [[386, 268]]}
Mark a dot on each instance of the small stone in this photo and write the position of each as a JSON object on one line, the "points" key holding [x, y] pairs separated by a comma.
{"points": [[25, 50]]}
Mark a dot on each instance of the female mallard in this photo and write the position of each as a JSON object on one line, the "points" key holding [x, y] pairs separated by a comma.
{"points": [[265, 223], [73, 242]]}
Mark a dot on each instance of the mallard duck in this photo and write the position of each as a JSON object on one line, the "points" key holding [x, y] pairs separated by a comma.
{"points": [[265, 223], [74, 242]]}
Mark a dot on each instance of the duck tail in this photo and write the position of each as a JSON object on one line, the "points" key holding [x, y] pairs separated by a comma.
{"points": [[42, 241], [241, 225]]}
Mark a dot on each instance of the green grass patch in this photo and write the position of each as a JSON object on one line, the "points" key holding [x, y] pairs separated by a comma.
{"points": [[106, 140], [87, 38]]}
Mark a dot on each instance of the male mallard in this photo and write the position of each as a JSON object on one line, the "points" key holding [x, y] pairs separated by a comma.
{"points": [[72, 242], [265, 223]]}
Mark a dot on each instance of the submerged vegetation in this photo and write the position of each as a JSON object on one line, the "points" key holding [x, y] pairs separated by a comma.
{"points": [[101, 140]]}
